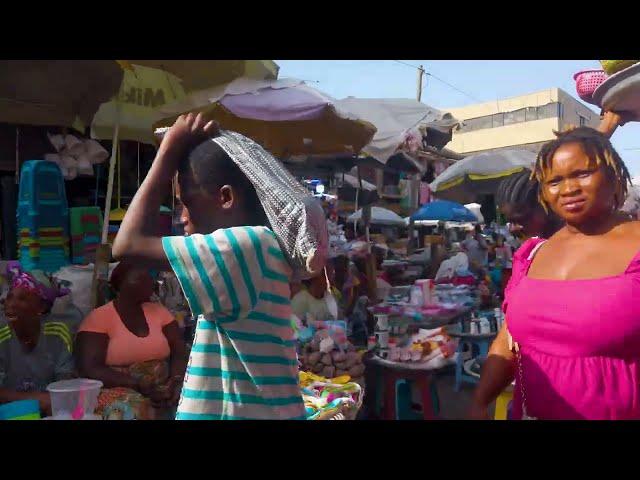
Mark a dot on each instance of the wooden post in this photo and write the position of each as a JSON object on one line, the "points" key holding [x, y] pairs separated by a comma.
{"points": [[103, 253], [100, 275], [17, 155], [370, 260]]}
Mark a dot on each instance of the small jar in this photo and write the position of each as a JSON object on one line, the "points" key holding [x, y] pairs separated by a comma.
{"points": [[405, 355]]}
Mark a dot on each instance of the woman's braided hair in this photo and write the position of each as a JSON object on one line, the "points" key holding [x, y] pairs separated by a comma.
{"points": [[599, 150], [518, 190]]}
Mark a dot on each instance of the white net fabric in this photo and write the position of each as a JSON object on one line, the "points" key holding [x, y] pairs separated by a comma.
{"points": [[296, 217]]}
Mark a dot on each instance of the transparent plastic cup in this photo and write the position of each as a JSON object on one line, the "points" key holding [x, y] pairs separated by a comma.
{"points": [[66, 395]]}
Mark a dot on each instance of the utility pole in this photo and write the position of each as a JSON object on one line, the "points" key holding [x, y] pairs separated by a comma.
{"points": [[414, 181]]}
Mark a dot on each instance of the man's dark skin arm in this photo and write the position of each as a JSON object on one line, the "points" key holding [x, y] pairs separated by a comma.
{"points": [[136, 239]]}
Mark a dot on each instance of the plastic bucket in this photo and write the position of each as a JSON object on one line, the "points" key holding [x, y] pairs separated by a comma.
{"points": [[20, 410]]}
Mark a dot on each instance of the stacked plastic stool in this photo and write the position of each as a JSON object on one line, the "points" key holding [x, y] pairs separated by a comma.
{"points": [[43, 217], [86, 228]]}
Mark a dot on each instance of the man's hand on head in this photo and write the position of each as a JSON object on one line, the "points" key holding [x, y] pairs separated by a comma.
{"points": [[187, 132]]}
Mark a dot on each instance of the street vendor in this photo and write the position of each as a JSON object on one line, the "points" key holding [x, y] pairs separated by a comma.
{"points": [[134, 347], [34, 350], [311, 301], [344, 278], [501, 271], [379, 253], [476, 248], [457, 264]]}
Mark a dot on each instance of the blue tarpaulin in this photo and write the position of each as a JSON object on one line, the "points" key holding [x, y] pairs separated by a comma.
{"points": [[445, 211]]}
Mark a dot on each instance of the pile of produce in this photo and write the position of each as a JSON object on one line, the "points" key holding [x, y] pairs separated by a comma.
{"points": [[328, 358]]}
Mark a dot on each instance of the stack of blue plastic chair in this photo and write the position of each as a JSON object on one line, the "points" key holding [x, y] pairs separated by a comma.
{"points": [[43, 217]]}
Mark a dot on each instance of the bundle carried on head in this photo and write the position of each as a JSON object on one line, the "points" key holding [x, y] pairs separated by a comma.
{"points": [[296, 217], [614, 66]]}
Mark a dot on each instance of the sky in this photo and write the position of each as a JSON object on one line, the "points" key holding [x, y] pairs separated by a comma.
{"points": [[455, 83]]}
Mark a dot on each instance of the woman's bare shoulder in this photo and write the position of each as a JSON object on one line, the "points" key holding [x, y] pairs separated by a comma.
{"points": [[632, 226]]}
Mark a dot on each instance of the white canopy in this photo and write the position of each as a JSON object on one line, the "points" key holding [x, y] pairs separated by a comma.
{"points": [[379, 216], [352, 181], [394, 119], [475, 209], [435, 223], [480, 174]]}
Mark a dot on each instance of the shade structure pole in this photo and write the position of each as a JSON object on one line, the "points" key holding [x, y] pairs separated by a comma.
{"points": [[112, 169], [370, 263], [17, 155]]}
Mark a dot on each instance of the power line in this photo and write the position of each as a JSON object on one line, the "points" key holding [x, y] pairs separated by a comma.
{"points": [[407, 64], [440, 80], [455, 88]]}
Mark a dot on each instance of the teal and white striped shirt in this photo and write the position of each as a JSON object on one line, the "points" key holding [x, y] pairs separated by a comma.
{"points": [[243, 362]]}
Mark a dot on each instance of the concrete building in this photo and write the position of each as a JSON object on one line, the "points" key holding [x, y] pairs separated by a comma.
{"points": [[527, 121]]}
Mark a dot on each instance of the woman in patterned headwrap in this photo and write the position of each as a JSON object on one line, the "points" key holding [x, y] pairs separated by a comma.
{"points": [[34, 350]]}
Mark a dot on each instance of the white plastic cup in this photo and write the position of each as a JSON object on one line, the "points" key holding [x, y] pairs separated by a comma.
{"points": [[474, 328], [382, 322], [382, 339], [426, 285], [417, 298], [405, 355], [485, 326], [394, 354]]}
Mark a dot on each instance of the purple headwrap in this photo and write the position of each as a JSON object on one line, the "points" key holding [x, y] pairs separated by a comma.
{"points": [[37, 282]]}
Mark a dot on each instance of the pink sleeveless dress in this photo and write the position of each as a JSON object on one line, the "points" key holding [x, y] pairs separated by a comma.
{"points": [[579, 341]]}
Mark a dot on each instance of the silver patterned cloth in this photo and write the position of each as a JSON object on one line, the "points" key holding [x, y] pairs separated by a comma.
{"points": [[296, 217]]}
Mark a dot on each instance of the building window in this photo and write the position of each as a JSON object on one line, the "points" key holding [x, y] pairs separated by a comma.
{"points": [[528, 114], [531, 113], [550, 110], [509, 118], [583, 121]]}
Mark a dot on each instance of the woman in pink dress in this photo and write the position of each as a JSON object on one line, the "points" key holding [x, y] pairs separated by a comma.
{"points": [[573, 318]]}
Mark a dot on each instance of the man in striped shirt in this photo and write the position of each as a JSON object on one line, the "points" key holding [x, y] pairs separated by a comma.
{"points": [[243, 361]]}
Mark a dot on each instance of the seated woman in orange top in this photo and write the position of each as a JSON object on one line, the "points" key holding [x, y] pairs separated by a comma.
{"points": [[134, 347]]}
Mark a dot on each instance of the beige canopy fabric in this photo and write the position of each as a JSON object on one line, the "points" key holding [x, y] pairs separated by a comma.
{"points": [[286, 116], [201, 74], [56, 92]]}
